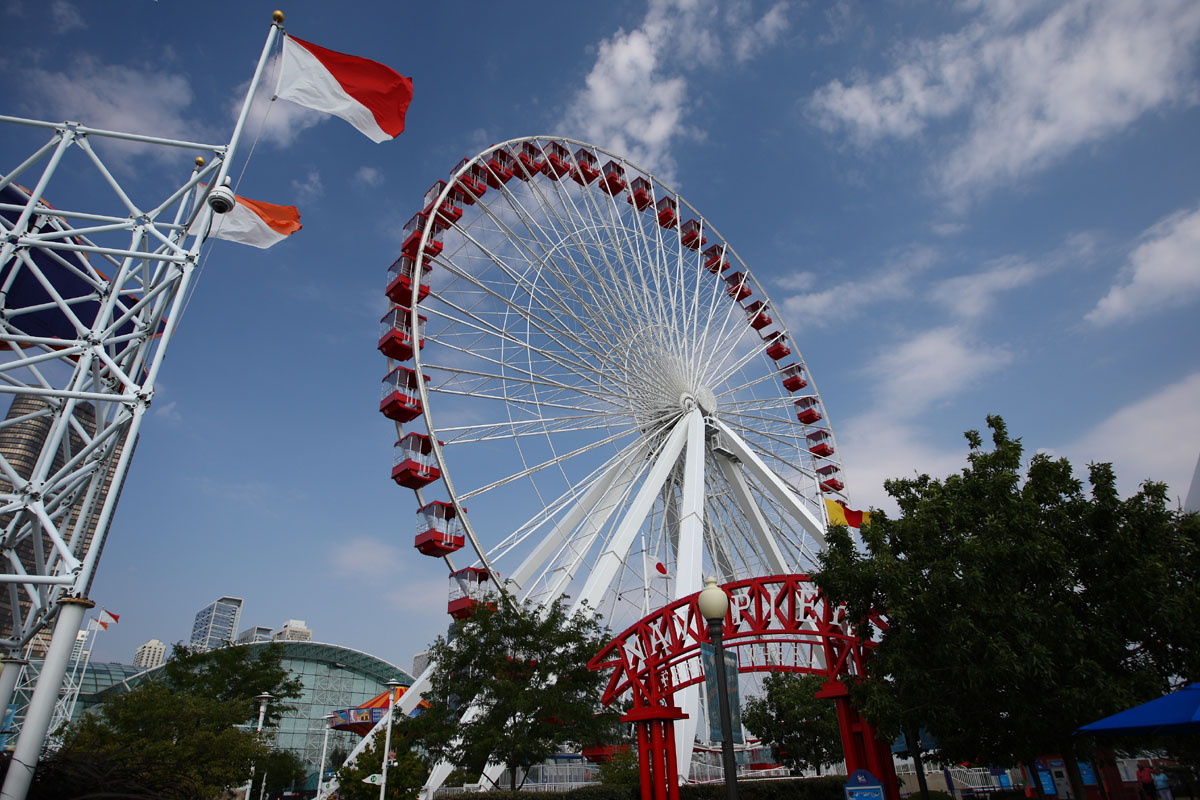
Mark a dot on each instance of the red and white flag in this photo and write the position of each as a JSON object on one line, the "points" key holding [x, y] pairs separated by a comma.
{"points": [[370, 96], [253, 222], [107, 617]]}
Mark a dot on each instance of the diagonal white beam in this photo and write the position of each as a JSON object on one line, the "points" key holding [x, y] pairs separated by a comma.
{"points": [[773, 484], [753, 515], [592, 509], [610, 560]]}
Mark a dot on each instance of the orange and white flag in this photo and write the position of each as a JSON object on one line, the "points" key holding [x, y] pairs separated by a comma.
{"points": [[253, 222], [106, 618]]}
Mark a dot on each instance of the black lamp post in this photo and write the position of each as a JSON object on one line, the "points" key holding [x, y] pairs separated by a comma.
{"points": [[713, 603]]}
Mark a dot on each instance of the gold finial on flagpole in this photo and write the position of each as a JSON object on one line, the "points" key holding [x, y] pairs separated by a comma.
{"points": [[199, 161], [277, 16]]}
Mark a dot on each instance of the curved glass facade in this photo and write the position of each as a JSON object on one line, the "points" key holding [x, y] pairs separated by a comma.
{"points": [[333, 678]]}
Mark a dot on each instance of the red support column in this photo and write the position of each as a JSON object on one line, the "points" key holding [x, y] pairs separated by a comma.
{"points": [[656, 757], [861, 746], [644, 759], [672, 774], [660, 763]]}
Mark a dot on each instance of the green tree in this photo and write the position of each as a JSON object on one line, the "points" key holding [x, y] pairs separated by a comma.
{"points": [[623, 769], [282, 770], [181, 734], [236, 675], [1018, 607], [801, 728], [524, 672], [406, 771]]}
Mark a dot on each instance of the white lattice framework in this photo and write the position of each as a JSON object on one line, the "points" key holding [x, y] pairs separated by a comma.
{"points": [[94, 277], [88, 304]]}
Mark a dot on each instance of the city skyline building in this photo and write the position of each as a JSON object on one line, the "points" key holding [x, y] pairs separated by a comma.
{"points": [[152, 654], [256, 633], [217, 623], [292, 630]]}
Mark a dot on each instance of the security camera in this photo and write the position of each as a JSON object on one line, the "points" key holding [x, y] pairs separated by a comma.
{"points": [[221, 199]]}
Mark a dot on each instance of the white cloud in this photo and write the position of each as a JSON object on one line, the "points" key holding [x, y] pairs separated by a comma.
{"points": [[310, 188], [65, 17], [894, 280], [168, 412], [636, 97], [275, 121], [969, 296], [929, 369], [1163, 272], [365, 557], [116, 97], [1156, 438], [1031, 90], [875, 448], [762, 34], [907, 382], [369, 176]]}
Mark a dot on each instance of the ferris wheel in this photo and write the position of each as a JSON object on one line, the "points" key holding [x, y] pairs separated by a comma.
{"points": [[594, 397]]}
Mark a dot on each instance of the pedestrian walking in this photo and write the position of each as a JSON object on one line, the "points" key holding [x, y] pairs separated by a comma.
{"points": [[1162, 785], [1145, 777]]}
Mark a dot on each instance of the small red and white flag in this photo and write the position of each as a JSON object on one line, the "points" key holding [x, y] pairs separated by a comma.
{"points": [[106, 617], [370, 96], [253, 222]]}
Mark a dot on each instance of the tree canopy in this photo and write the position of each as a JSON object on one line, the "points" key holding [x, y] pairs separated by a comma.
{"points": [[1019, 607], [180, 735], [801, 728], [524, 671]]}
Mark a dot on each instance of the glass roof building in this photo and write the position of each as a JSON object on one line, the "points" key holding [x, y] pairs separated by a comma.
{"points": [[333, 678]]}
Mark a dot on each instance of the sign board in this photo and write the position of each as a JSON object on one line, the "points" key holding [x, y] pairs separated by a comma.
{"points": [[862, 785], [1087, 773], [709, 658], [1047, 780]]}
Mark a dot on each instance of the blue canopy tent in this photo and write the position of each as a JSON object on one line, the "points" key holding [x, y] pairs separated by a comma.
{"points": [[1174, 714]]}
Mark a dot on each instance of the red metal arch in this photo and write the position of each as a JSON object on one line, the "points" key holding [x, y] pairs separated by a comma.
{"points": [[781, 623]]}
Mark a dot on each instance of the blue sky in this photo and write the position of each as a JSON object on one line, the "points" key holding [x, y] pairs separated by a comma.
{"points": [[962, 208]]}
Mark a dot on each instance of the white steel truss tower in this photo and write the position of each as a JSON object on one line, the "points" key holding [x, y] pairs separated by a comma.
{"points": [[93, 281]]}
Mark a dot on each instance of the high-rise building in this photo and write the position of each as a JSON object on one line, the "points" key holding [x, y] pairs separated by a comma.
{"points": [[258, 633], [150, 655], [28, 423], [81, 639], [216, 623], [293, 630], [420, 662]]}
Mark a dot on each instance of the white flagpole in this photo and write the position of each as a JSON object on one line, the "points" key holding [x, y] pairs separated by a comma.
{"points": [[223, 174]]}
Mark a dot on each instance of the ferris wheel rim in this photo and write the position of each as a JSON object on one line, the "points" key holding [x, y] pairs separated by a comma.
{"points": [[458, 498]]}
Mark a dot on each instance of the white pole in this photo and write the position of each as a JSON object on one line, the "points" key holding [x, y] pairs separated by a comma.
{"points": [[387, 740], [37, 717], [262, 712], [324, 743], [241, 122]]}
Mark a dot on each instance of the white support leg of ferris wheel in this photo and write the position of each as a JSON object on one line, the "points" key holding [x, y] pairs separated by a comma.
{"points": [[610, 560], [688, 578], [773, 484], [591, 511], [758, 523]]}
